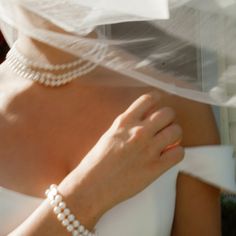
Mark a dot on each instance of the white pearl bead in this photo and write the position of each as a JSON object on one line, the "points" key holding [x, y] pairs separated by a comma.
{"points": [[66, 211], [65, 222], [53, 186], [47, 192], [71, 217], [76, 223], [47, 82], [58, 83], [35, 77], [70, 228], [57, 210], [86, 232], [60, 216], [50, 196], [75, 233], [81, 228], [53, 83], [58, 198], [53, 203], [23, 67], [62, 205], [41, 80]]}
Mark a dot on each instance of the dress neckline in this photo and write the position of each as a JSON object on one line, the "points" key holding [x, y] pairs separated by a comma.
{"points": [[41, 199], [10, 191]]}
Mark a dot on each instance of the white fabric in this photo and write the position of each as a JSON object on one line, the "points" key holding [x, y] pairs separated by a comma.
{"points": [[174, 38], [149, 212]]}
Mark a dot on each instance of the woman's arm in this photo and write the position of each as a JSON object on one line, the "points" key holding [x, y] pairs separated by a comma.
{"points": [[197, 208], [198, 204], [43, 222], [127, 158]]}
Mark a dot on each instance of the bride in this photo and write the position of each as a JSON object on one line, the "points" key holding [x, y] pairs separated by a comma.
{"points": [[113, 146]]}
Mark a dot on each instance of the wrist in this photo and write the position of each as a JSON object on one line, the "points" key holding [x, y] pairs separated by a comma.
{"points": [[84, 204], [64, 214]]}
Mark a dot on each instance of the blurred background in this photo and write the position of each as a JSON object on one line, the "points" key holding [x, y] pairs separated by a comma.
{"points": [[3, 48]]}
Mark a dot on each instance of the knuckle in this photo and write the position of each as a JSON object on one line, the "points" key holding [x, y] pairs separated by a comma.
{"points": [[148, 97], [120, 121], [177, 130], [137, 133], [170, 112], [171, 133], [163, 135], [165, 113]]}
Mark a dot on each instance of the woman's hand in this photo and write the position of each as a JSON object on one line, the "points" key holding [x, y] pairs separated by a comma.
{"points": [[141, 144]]}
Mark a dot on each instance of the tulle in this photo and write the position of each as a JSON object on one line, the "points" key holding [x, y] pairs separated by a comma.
{"points": [[184, 47]]}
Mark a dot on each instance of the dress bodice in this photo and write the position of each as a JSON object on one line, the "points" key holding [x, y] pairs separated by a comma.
{"points": [[148, 213]]}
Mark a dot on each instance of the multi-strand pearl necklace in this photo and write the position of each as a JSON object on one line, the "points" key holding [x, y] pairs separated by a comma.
{"points": [[49, 74]]}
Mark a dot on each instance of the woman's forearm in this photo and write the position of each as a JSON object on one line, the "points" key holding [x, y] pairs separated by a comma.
{"points": [[44, 222]]}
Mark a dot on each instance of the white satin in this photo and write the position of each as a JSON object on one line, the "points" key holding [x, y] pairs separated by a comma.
{"points": [[149, 212]]}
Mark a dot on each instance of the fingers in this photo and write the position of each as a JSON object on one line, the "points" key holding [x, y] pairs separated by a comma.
{"points": [[172, 156], [160, 119], [167, 137], [142, 106], [172, 146], [167, 160]]}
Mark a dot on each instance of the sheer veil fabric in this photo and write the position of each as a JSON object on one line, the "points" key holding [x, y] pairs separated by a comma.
{"points": [[158, 42]]}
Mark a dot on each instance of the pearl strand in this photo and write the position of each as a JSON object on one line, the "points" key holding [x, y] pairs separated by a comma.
{"points": [[19, 64], [26, 61], [64, 214]]}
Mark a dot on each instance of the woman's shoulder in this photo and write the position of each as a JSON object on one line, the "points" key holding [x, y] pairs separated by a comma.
{"points": [[197, 120]]}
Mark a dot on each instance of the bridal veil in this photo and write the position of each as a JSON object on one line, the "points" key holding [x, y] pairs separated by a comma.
{"points": [[172, 45]]}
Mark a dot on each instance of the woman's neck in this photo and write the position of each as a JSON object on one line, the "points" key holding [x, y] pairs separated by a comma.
{"points": [[41, 52]]}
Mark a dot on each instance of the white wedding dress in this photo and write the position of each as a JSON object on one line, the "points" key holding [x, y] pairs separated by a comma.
{"points": [[150, 212]]}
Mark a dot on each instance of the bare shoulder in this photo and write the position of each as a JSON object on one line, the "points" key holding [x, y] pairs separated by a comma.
{"points": [[197, 120]]}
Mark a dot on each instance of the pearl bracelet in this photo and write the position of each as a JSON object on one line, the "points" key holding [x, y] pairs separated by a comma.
{"points": [[64, 214]]}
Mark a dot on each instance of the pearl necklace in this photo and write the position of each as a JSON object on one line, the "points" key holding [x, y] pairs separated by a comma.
{"points": [[29, 69]]}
